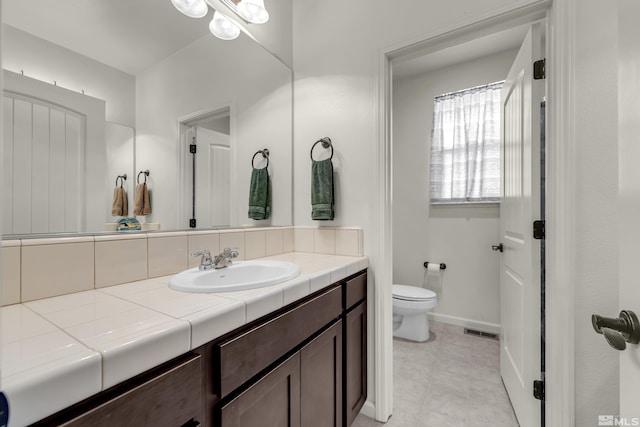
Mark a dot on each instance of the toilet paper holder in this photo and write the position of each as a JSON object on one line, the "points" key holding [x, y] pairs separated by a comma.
{"points": [[443, 266]]}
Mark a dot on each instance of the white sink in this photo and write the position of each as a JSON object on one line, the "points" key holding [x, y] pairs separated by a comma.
{"points": [[238, 276]]}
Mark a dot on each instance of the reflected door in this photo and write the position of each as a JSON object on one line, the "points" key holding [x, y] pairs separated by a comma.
{"points": [[43, 163], [212, 178]]}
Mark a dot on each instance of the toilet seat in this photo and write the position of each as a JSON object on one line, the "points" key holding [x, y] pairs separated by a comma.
{"points": [[412, 293]]}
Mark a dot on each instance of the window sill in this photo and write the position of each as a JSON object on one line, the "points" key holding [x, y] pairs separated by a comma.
{"points": [[465, 204]]}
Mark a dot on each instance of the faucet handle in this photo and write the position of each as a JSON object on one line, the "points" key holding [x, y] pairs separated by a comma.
{"points": [[203, 253], [230, 252]]}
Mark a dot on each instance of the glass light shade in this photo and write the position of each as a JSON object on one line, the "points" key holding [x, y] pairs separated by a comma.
{"points": [[222, 27], [191, 8], [253, 11]]}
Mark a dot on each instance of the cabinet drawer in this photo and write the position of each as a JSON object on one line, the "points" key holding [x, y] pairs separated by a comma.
{"points": [[170, 399], [241, 357], [355, 290]]}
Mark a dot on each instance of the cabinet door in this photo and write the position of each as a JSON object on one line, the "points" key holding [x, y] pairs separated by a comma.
{"points": [[273, 401], [321, 379], [171, 398], [355, 361]]}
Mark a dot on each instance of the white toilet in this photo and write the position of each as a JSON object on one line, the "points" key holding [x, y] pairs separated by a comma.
{"points": [[410, 307]]}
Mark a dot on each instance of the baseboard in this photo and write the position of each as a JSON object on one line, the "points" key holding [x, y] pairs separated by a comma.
{"points": [[466, 323], [369, 410]]}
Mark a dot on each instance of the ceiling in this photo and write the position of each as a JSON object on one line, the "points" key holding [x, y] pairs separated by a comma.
{"points": [[416, 63], [130, 35]]}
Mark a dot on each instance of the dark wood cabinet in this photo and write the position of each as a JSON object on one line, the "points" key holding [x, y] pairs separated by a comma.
{"points": [[303, 365], [327, 331], [273, 401], [321, 379], [170, 395], [355, 354], [303, 390]]}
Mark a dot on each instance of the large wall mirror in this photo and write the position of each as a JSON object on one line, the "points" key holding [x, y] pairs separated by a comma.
{"points": [[152, 79]]}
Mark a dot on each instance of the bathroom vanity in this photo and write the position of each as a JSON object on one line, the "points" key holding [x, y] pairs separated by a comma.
{"points": [[301, 365]]}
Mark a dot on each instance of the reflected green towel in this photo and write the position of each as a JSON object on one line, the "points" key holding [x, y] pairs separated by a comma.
{"points": [[260, 194], [322, 190]]}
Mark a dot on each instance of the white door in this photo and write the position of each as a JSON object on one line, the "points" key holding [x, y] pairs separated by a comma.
{"points": [[43, 160], [520, 206], [213, 178], [629, 198]]}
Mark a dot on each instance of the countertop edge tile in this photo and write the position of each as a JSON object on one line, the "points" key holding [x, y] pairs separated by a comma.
{"points": [[118, 364], [205, 327], [79, 379]]}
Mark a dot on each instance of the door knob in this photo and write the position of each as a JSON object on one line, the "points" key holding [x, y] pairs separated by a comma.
{"points": [[499, 247], [620, 330]]}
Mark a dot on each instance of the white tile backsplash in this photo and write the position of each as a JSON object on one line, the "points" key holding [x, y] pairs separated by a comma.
{"points": [[41, 268], [10, 272], [303, 239], [167, 253], [56, 269], [255, 244], [324, 241], [349, 242], [274, 242], [120, 261]]}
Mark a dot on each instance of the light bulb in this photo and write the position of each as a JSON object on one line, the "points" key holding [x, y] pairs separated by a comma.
{"points": [[191, 8], [223, 28], [253, 11]]}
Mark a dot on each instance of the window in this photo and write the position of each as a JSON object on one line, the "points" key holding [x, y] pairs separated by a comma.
{"points": [[465, 146]]}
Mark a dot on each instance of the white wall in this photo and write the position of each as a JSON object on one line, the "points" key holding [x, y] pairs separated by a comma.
{"points": [[596, 222], [460, 236], [43, 60], [209, 75], [629, 190]]}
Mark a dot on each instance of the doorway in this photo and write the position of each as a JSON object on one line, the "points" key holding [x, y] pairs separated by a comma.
{"points": [[459, 49], [207, 179]]}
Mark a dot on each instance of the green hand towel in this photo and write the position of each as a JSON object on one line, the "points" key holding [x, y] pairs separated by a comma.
{"points": [[322, 190], [260, 194]]}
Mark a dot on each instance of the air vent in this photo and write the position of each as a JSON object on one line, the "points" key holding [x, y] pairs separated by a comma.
{"points": [[480, 334]]}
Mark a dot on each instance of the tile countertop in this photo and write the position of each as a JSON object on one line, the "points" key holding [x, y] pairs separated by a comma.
{"points": [[86, 342]]}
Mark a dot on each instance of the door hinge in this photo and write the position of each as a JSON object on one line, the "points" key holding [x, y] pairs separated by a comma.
{"points": [[538, 229], [538, 389], [192, 223], [193, 148], [538, 69]]}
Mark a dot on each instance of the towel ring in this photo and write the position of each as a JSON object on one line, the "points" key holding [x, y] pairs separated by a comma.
{"points": [[265, 155], [146, 174], [122, 178], [326, 143]]}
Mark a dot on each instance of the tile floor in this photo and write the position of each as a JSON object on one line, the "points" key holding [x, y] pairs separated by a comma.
{"points": [[451, 380]]}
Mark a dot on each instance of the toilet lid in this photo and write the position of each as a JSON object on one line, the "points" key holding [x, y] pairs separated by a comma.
{"points": [[412, 293]]}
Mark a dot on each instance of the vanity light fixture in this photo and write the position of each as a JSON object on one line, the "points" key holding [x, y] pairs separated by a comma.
{"points": [[253, 11], [191, 8], [223, 28]]}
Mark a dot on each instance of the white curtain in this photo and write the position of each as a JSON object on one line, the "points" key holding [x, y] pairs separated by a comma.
{"points": [[465, 146]]}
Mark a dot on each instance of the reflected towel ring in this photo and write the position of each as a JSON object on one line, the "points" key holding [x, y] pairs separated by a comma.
{"points": [[265, 155], [326, 143], [146, 174], [122, 178]]}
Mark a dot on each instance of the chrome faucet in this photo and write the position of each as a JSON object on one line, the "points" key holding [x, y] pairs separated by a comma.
{"points": [[206, 263], [224, 259]]}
